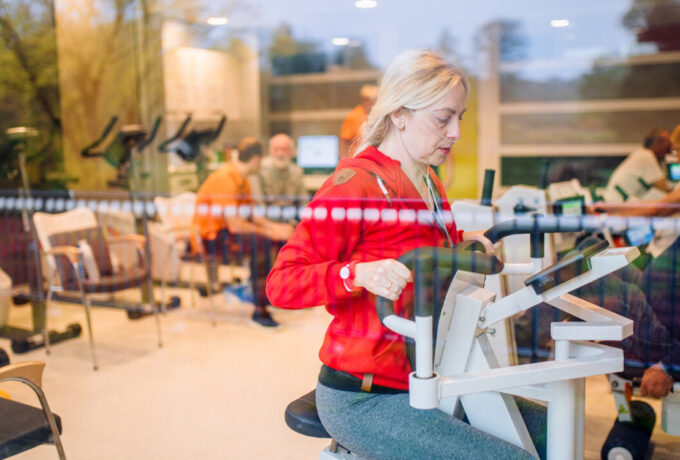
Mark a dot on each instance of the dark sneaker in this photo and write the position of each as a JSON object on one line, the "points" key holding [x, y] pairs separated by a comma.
{"points": [[263, 318], [203, 290]]}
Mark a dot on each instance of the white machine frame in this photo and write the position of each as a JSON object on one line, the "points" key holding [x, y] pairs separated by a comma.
{"points": [[464, 371]]}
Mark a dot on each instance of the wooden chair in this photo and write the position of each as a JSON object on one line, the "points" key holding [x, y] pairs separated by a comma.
{"points": [[77, 253], [23, 427]]}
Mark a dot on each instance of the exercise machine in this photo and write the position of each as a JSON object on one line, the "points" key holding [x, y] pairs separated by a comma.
{"points": [[23, 340], [461, 369], [125, 152], [191, 140]]}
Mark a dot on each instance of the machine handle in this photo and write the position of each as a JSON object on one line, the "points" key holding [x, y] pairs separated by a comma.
{"points": [[425, 261], [163, 147], [218, 130], [89, 151], [152, 134], [487, 191], [541, 224]]}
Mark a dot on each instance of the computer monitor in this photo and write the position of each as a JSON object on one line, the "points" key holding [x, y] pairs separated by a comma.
{"points": [[673, 171], [573, 206], [317, 153], [639, 236]]}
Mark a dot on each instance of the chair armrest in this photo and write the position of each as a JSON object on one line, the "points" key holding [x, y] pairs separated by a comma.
{"points": [[71, 252], [179, 228], [138, 240], [193, 229], [29, 370], [30, 374]]}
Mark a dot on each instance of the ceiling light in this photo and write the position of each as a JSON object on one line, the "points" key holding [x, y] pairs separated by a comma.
{"points": [[340, 41], [218, 21], [365, 3], [559, 22]]}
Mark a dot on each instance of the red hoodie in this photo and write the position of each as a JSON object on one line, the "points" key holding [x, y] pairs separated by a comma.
{"points": [[352, 218]]}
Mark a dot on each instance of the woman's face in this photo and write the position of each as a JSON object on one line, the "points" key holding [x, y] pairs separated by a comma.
{"points": [[430, 132]]}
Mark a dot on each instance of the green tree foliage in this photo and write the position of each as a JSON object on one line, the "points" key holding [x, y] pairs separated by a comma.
{"points": [[29, 85]]}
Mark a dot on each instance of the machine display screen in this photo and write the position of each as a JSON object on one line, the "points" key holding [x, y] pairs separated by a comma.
{"points": [[639, 236], [574, 206], [317, 152], [673, 171]]}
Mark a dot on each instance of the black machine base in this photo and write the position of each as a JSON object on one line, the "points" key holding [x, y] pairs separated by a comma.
{"points": [[24, 340], [631, 439]]}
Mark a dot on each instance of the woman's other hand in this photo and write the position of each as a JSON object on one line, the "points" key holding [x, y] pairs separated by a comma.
{"points": [[479, 237], [385, 278]]}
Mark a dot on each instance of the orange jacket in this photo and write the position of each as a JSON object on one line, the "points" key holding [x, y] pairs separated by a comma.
{"points": [[350, 218], [225, 190]]}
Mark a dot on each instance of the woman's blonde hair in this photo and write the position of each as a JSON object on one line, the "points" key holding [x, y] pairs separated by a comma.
{"points": [[415, 79]]}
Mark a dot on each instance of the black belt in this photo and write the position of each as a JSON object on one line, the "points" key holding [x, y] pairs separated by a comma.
{"points": [[343, 381]]}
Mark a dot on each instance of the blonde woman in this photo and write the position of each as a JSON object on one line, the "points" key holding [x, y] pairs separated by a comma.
{"points": [[378, 205]]}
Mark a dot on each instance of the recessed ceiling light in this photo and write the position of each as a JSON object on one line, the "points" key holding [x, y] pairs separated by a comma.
{"points": [[559, 23], [365, 3], [218, 21], [340, 41]]}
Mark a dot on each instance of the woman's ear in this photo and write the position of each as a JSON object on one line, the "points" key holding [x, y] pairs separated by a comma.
{"points": [[398, 118]]}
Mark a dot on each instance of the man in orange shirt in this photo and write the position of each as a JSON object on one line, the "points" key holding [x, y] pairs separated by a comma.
{"points": [[350, 133], [227, 223]]}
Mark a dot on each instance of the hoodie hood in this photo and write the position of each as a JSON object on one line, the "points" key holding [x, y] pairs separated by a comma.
{"points": [[374, 161]]}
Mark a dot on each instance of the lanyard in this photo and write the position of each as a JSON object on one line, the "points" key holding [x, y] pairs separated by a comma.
{"points": [[438, 212]]}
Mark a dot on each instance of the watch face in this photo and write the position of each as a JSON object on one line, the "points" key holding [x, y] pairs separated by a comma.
{"points": [[344, 272]]}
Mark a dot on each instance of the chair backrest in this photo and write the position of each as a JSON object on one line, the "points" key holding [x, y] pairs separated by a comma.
{"points": [[70, 228], [176, 210], [76, 219]]}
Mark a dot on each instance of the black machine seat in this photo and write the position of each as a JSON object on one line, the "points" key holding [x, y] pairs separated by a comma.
{"points": [[22, 427], [301, 416]]}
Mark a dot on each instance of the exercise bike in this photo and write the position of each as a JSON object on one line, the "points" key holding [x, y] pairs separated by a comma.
{"points": [[24, 340], [461, 372]]}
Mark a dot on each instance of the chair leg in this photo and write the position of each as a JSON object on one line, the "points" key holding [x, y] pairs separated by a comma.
{"points": [[192, 285], [157, 316], [211, 269], [86, 300], [163, 282], [86, 303], [48, 299]]}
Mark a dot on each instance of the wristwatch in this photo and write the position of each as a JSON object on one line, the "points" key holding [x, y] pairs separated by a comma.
{"points": [[347, 276]]}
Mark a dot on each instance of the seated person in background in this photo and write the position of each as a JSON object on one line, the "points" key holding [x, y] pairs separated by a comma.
{"points": [[638, 186], [350, 132], [642, 170], [279, 181], [224, 226]]}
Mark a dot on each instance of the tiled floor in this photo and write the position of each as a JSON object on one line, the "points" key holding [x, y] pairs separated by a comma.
{"points": [[210, 392]]}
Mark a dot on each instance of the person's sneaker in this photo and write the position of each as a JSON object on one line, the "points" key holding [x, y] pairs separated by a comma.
{"points": [[263, 318]]}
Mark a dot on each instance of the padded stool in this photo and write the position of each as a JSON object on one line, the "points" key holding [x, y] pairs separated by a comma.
{"points": [[302, 417]]}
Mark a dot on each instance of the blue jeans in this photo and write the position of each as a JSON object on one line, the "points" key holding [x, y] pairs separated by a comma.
{"points": [[384, 426]]}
